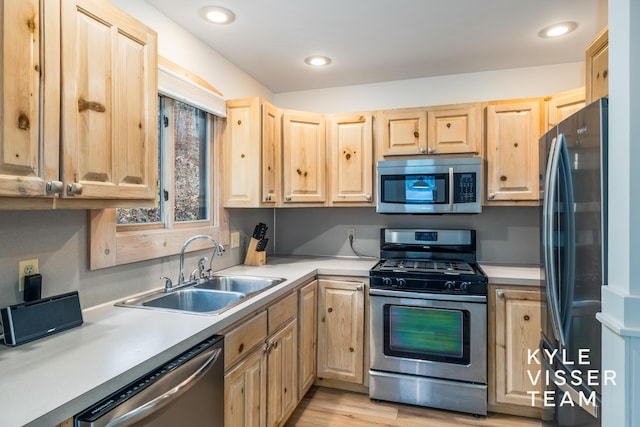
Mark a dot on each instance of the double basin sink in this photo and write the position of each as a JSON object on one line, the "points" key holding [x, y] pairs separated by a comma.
{"points": [[212, 295]]}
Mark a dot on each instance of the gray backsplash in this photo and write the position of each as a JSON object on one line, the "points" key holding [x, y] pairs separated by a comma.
{"points": [[506, 235], [59, 240]]}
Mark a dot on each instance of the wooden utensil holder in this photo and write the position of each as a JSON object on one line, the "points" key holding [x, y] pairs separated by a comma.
{"points": [[254, 257]]}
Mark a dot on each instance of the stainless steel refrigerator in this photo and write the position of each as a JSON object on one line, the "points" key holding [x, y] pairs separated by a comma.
{"points": [[573, 166]]}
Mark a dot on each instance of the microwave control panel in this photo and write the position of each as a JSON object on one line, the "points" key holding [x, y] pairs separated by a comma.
{"points": [[464, 188]]}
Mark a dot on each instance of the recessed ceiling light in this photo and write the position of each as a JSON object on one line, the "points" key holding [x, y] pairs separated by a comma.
{"points": [[556, 30], [317, 61], [217, 15]]}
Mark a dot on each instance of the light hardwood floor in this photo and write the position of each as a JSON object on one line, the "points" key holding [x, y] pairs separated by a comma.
{"points": [[324, 407]]}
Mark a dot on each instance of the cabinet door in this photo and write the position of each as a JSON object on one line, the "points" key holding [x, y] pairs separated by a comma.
{"points": [[597, 67], [109, 103], [245, 392], [270, 154], [513, 131], [21, 172], [350, 143], [304, 157], [242, 153], [562, 105], [404, 132], [513, 330], [454, 130], [282, 374], [307, 330], [341, 330]]}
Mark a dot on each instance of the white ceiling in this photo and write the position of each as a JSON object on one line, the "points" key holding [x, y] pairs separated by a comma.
{"points": [[372, 41]]}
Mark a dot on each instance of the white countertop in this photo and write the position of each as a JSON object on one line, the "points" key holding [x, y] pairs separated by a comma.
{"points": [[512, 274], [47, 381]]}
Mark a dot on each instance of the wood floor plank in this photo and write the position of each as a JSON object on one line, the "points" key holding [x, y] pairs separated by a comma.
{"points": [[325, 407]]}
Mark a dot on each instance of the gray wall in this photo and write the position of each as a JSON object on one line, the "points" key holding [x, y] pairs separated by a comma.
{"points": [[506, 235]]}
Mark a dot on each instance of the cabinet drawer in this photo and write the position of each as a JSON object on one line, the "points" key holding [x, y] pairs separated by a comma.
{"points": [[242, 339], [282, 311]]}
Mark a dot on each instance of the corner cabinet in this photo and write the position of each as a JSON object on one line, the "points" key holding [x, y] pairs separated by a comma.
{"points": [[341, 330], [597, 67], [251, 152], [304, 158], [350, 153], [78, 106], [513, 129], [514, 328]]}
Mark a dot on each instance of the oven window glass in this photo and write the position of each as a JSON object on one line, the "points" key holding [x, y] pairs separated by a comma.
{"points": [[440, 335], [415, 189]]}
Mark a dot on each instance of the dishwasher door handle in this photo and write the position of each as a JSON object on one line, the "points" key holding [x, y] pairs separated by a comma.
{"points": [[167, 397]]}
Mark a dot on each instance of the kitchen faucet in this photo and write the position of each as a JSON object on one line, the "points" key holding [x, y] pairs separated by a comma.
{"points": [[219, 249]]}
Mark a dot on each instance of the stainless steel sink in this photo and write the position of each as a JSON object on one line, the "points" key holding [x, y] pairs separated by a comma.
{"points": [[244, 284], [196, 300], [210, 296]]}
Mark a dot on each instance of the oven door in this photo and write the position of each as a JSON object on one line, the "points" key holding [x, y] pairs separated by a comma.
{"points": [[432, 335]]}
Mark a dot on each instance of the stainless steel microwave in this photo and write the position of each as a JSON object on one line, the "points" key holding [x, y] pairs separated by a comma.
{"points": [[430, 186]]}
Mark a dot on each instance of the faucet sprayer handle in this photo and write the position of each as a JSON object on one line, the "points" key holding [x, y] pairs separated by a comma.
{"points": [[167, 283]]}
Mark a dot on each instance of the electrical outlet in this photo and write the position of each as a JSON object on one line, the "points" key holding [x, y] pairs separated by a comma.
{"points": [[235, 239], [351, 234], [25, 268]]}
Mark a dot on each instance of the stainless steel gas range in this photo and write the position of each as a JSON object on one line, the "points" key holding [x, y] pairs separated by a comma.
{"points": [[428, 311]]}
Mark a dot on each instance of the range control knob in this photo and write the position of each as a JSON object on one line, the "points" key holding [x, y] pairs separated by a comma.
{"points": [[465, 286], [400, 283], [450, 285], [386, 281]]}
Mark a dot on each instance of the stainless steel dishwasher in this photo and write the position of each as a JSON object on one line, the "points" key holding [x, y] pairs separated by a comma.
{"points": [[187, 391]]}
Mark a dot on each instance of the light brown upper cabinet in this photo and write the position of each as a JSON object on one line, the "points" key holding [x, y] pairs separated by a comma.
{"points": [[252, 154], [109, 103], [22, 99], [350, 152], [84, 97], [562, 105], [513, 131], [454, 129], [403, 132], [597, 67], [304, 153]]}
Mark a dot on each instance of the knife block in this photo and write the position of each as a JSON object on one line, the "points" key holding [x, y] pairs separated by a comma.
{"points": [[254, 257]]}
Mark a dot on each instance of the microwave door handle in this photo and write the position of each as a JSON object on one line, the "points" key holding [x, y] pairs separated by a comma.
{"points": [[167, 397], [451, 189], [548, 239]]}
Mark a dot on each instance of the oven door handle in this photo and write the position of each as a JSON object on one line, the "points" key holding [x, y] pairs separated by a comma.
{"points": [[167, 397], [424, 296]]}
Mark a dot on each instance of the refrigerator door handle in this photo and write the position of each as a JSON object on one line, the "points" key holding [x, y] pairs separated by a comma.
{"points": [[551, 179], [570, 238]]}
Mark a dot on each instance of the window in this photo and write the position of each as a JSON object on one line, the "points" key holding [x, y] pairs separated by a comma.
{"points": [[189, 113], [184, 136]]}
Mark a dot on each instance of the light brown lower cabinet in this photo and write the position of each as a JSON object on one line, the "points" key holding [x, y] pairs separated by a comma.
{"points": [[341, 326], [261, 367], [307, 333], [514, 329]]}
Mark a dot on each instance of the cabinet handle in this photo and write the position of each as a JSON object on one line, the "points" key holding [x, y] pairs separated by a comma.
{"points": [[74, 189], [23, 122], [54, 187], [432, 150], [274, 344], [422, 150], [500, 294], [83, 104], [491, 196], [368, 197], [287, 198], [360, 288], [267, 198]]}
